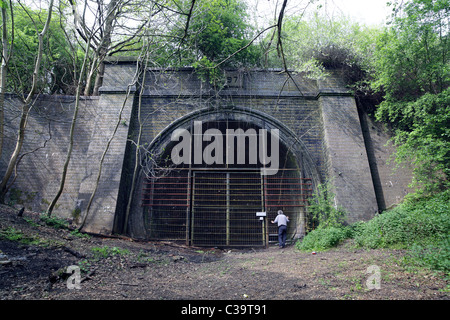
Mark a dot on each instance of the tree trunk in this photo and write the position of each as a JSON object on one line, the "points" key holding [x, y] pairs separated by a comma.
{"points": [[3, 77], [26, 109], [72, 129], [105, 44], [99, 78]]}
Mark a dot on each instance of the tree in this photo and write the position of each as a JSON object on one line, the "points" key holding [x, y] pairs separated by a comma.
{"points": [[412, 70], [26, 105], [319, 42], [57, 63], [3, 70], [116, 26], [218, 32]]}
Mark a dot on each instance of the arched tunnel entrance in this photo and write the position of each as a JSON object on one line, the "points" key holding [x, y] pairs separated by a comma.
{"points": [[218, 177]]}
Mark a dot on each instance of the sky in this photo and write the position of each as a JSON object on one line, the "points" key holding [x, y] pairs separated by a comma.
{"points": [[369, 12], [364, 11]]}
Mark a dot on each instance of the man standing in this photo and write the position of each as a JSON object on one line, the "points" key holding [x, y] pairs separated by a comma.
{"points": [[282, 221]]}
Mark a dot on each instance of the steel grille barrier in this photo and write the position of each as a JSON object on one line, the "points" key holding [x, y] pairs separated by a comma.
{"points": [[224, 206], [218, 208], [166, 200], [289, 192]]}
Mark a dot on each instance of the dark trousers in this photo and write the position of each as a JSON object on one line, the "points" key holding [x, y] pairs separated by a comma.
{"points": [[282, 234]]}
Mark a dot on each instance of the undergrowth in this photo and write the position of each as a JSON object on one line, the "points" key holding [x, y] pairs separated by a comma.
{"points": [[421, 226]]}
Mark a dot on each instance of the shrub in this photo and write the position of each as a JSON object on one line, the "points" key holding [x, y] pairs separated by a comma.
{"points": [[416, 221], [433, 256], [323, 238], [322, 208], [420, 225]]}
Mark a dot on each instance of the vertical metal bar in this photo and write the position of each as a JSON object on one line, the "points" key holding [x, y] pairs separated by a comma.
{"points": [[228, 209], [193, 208], [302, 197], [151, 208], [191, 180], [264, 224], [188, 203]]}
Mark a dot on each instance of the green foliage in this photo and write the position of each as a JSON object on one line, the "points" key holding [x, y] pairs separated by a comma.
{"points": [[330, 219], [323, 238], [317, 42], [106, 252], [427, 142], [220, 28], [54, 222], [323, 210], [432, 256], [207, 71], [412, 70], [411, 57], [79, 234], [218, 31], [57, 74], [13, 234], [421, 225], [416, 221]]}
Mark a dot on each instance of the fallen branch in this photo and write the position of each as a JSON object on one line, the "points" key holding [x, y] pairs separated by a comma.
{"points": [[74, 253], [88, 276]]}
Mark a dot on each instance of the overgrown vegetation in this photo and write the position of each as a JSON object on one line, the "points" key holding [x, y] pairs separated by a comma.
{"points": [[219, 32], [323, 210], [419, 225], [318, 43], [326, 220], [407, 63], [412, 70]]}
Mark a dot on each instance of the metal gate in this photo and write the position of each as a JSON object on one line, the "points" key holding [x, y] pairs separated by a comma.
{"points": [[218, 208], [224, 206]]}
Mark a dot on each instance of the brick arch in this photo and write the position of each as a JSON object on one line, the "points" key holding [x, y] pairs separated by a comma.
{"points": [[261, 119], [167, 208]]}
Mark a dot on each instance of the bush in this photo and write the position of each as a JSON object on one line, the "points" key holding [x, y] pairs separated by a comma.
{"points": [[322, 208], [417, 221], [420, 225], [433, 256], [323, 238]]}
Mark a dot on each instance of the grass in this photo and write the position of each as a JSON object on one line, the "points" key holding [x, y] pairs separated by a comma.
{"points": [[105, 252], [54, 222], [13, 234]]}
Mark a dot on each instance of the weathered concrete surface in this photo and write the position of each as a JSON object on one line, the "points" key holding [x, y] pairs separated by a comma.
{"points": [[348, 165]]}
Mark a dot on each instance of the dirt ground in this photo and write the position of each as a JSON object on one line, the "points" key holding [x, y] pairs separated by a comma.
{"points": [[33, 267]]}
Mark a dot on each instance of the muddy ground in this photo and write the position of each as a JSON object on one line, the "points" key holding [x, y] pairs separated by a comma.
{"points": [[33, 265]]}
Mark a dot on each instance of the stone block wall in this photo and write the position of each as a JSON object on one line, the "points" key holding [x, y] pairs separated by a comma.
{"points": [[345, 147], [44, 152]]}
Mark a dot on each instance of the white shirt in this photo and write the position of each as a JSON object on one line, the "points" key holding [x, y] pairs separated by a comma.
{"points": [[281, 219]]}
